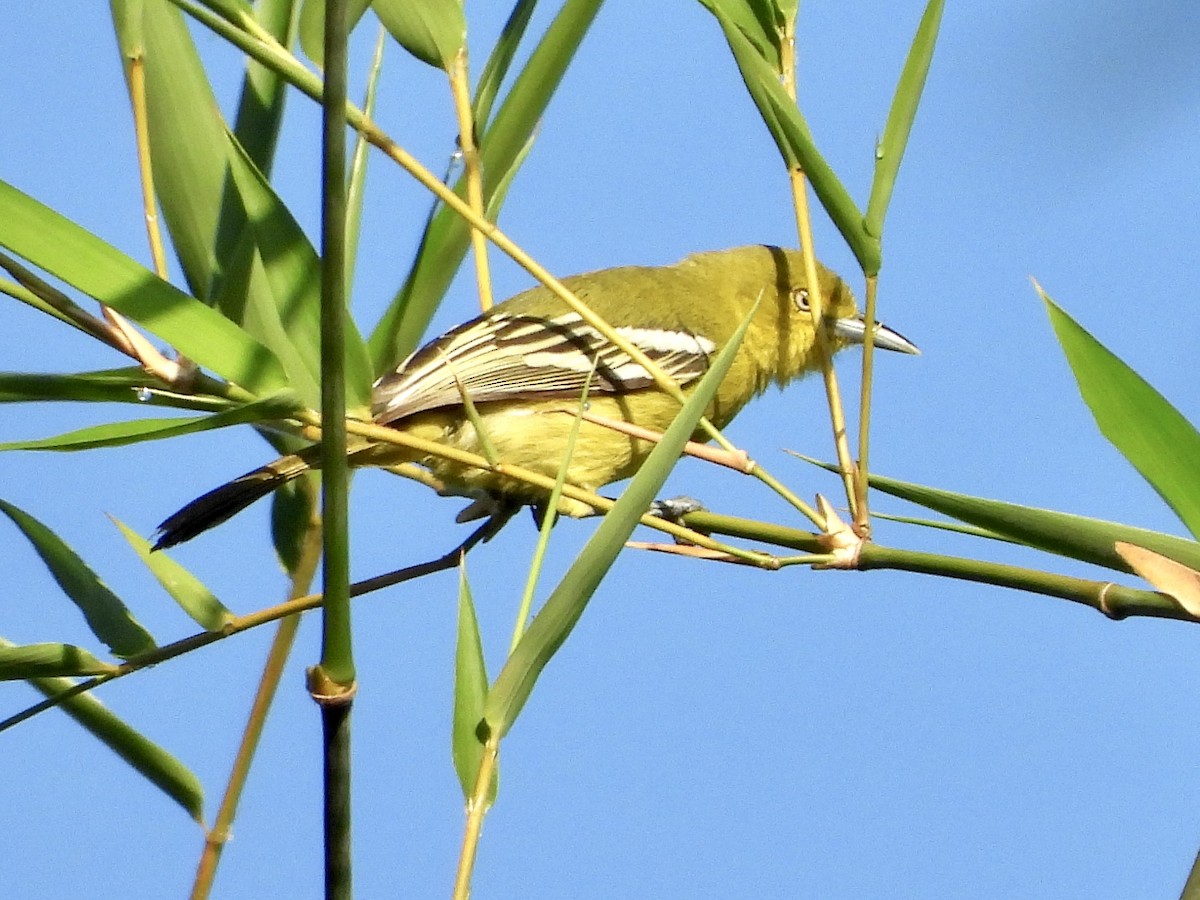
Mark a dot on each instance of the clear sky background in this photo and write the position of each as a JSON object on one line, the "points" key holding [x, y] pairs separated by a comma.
{"points": [[707, 731]]}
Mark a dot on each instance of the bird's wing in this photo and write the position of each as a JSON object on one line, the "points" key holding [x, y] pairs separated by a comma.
{"points": [[506, 356]]}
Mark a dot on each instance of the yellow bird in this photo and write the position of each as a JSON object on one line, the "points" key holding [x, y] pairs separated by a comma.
{"points": [[522, 362]]}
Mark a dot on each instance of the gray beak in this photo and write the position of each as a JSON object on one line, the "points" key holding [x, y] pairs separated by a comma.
{"points": [[854, 331]]}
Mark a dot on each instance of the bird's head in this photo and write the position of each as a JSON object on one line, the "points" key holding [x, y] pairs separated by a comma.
{"points": [[782, 333]]}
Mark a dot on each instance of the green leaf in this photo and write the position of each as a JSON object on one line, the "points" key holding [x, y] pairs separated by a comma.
{"points": [[287, 313], [356, 178], [264, 92], [106, 615], [125, 385], [502, 148], [60, 247], [41, 304], [556, 619], [785, 10], [431, 30], [795, 141], [194, 160], [293, 511], [262, 272], [237, 12], [193, 597], [312, 26], [188, 151], [890, 151], [127, 23], [1148, 431], [470, 693], [501, 57], [118, 434], [1078, 537], [152, 761], [41, 660], [756, 20]]}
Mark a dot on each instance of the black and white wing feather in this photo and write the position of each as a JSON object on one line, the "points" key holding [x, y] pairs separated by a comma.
{"points": [[507, 356]]}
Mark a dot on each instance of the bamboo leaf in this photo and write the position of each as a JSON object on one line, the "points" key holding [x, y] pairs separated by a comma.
{"points": [[152, 761], [1135, 418], [470, 693], [556, 619], [293, 512], [890, 151], [786, 10], [356, 179], [28, 297], [501, 57], [127, 23], [756, 20], [260, 273], [431, 30], [238, 12], [126, 385], [793, 138], [193, 597], [264, 92], [60, 247], [1078, 537], [43, 660], [188, 151], [118, 434], [446, 236], [106, 615], [312, 26], [289, 314]]}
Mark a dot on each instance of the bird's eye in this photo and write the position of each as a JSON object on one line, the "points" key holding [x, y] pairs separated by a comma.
{"points": [[800, 299]]}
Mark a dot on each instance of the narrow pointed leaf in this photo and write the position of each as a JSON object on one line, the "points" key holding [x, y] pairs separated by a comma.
{"points": [[556, 619], [501, 57], [1148, 431], [264, 92], [786, 10], [188, 151], [356, 184], [295, 518], [1078, 537], [118, 434], [890, 151], [755, 19], [28, 297], [127, 23], [470, 693], [312, 26], [795, 141], [58, 246], [446, 238], [431, 30], [236, 11], [106, 615], [209, 188], [126, 385], [290, 315], [193, 597], [25, 661], [152, 761]]}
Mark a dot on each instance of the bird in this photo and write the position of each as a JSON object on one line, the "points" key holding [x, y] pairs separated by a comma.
{"points": [[527, 360]]}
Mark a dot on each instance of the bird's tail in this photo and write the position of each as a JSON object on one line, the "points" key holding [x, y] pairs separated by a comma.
{"points": [[213, 508]]}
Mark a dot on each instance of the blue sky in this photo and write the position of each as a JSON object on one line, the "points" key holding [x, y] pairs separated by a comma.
{"points": [[705, 732]]}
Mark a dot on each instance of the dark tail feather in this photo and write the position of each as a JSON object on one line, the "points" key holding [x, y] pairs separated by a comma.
{"points": [[228, 500]]}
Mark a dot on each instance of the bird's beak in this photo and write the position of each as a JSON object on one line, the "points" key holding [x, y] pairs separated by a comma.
{"points": [[854, 331]]}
